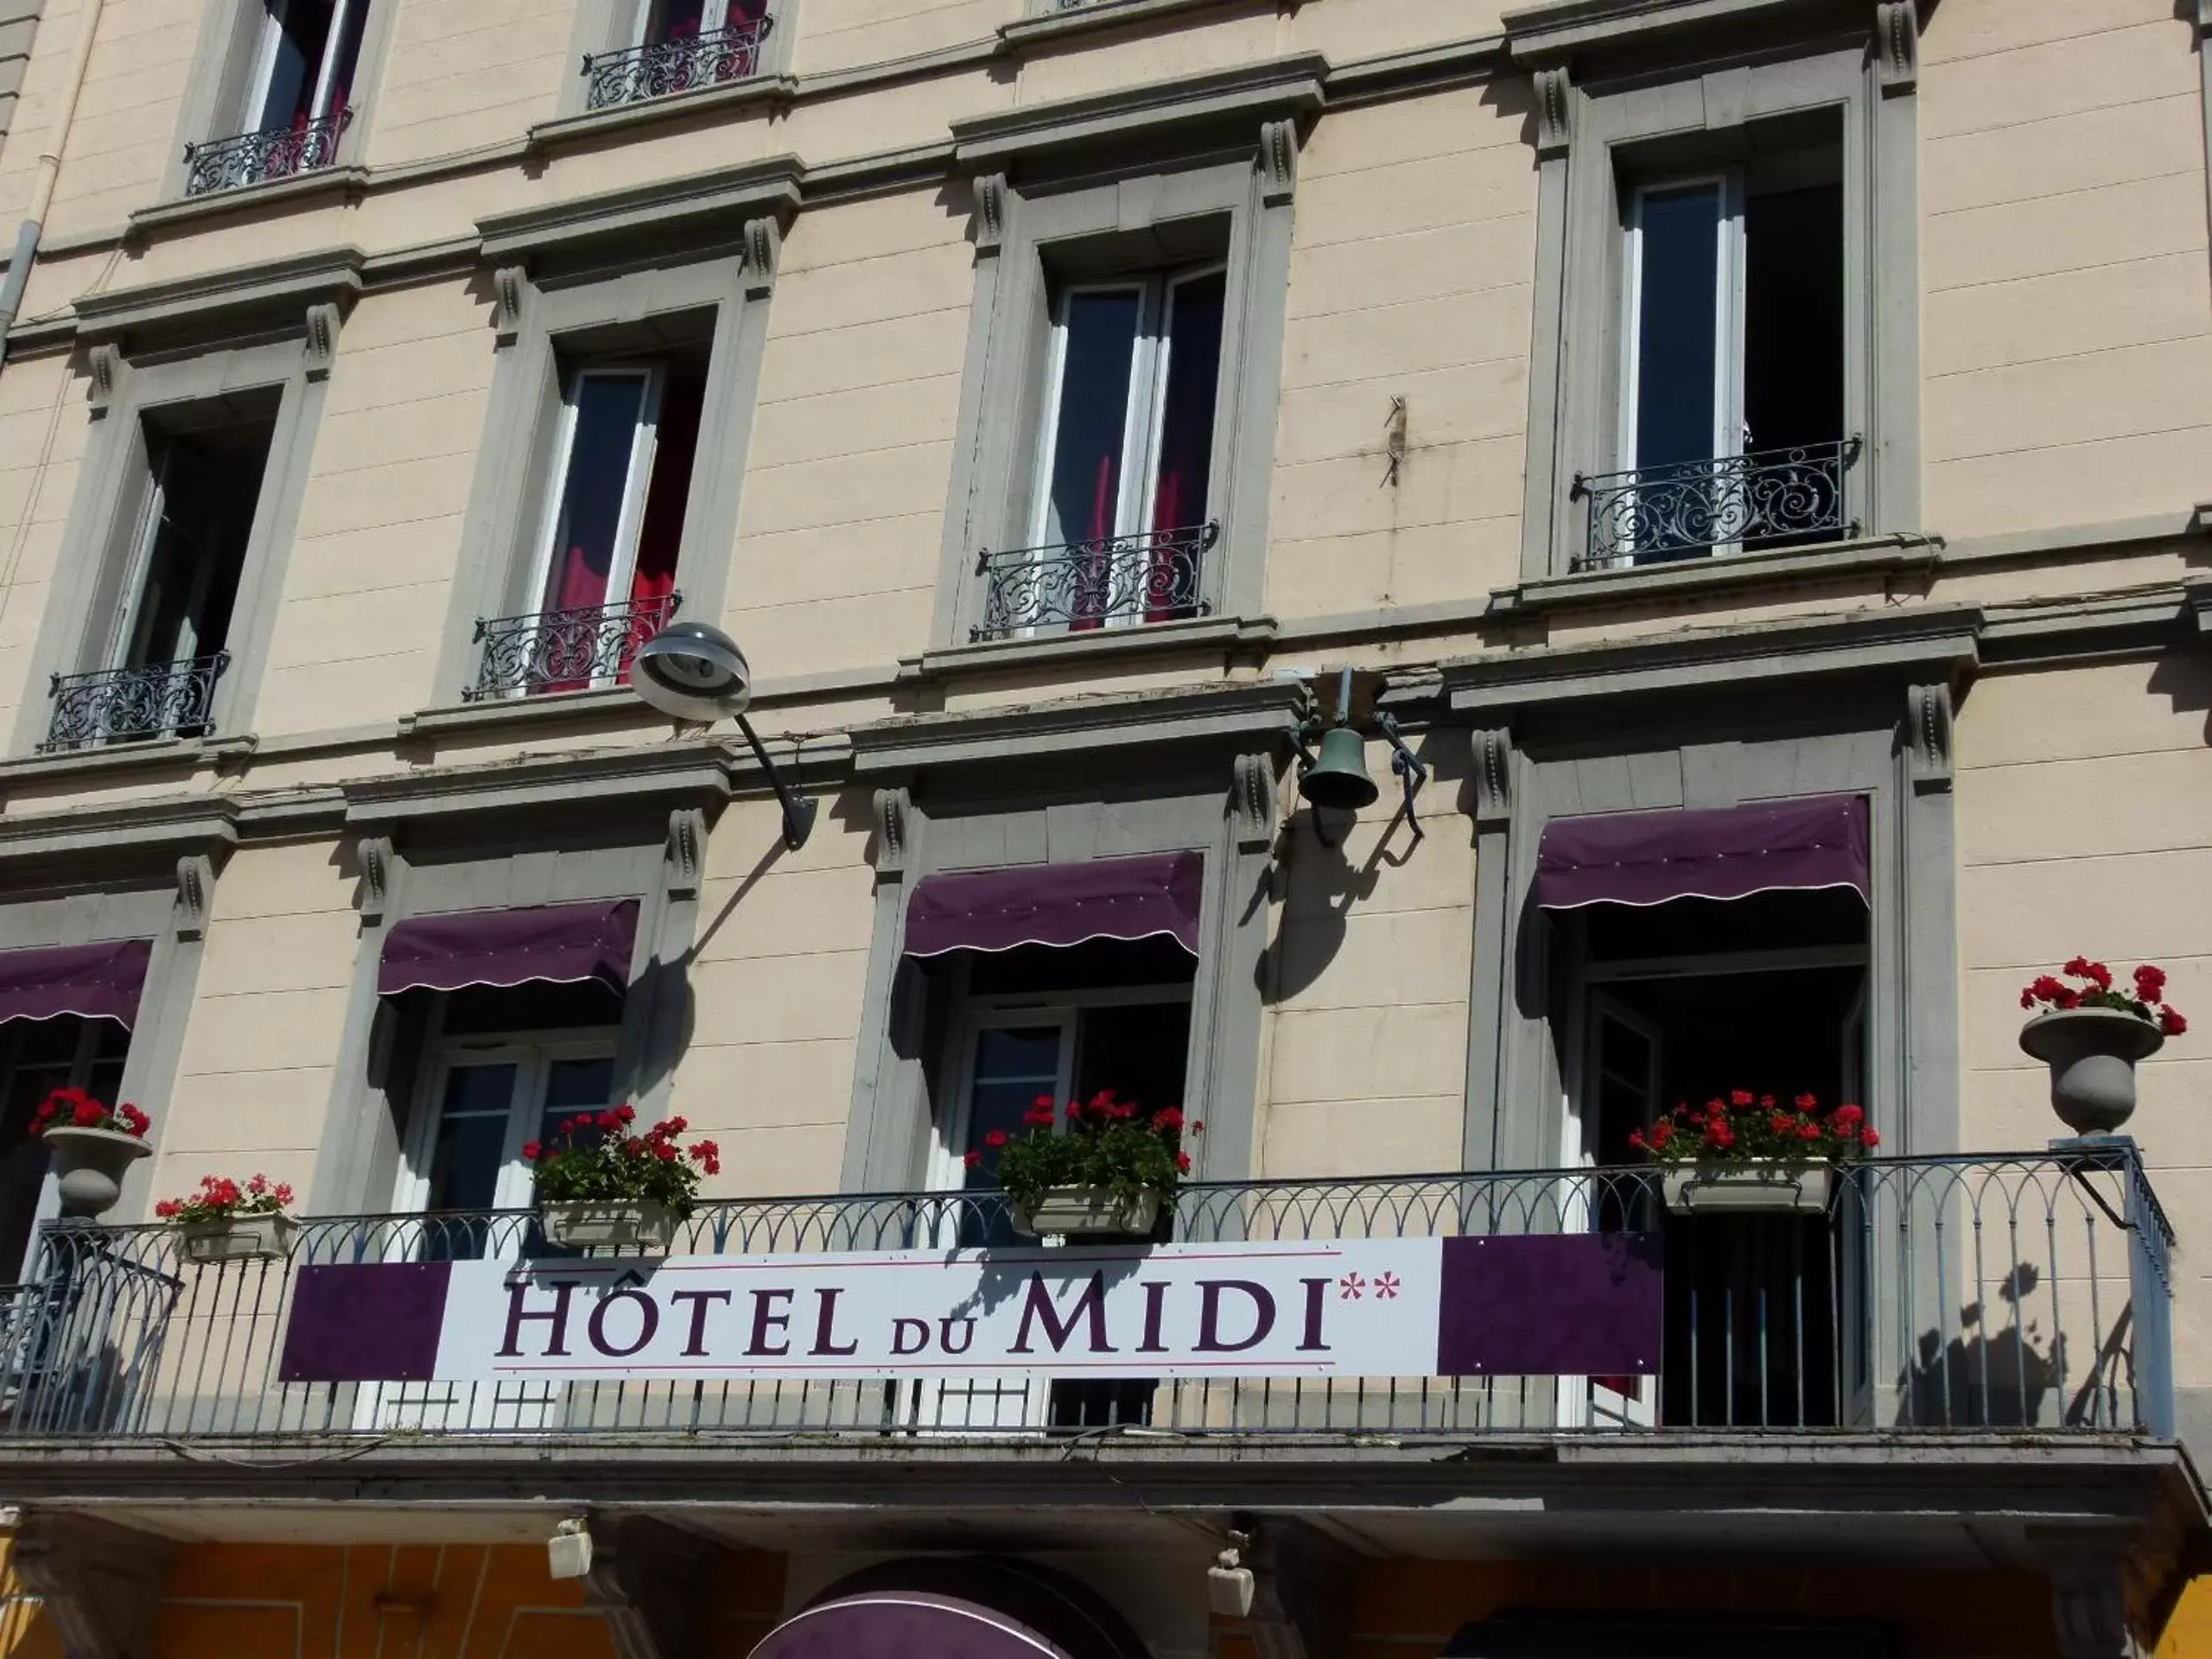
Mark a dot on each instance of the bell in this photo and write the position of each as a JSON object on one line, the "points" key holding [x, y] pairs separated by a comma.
{"points": [[1338, 780]]}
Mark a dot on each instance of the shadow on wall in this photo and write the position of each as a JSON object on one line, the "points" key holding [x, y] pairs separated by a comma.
{"points": [[2002, 1378], [1321, 884]]}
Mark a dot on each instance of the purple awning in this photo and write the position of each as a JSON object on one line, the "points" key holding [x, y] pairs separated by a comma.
{"points": [[1058, 905], [558, 944], [906, 1625], [96, 981], [1727, 852]]}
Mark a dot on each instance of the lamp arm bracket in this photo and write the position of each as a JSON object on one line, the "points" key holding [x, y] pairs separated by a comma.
{"points": [[799, 812], [1407, 764]]}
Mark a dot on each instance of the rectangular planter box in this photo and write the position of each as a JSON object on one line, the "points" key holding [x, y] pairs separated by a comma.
{"points": [[242, 1238], [636, 1229], [1087, 1212], [1761, 1184]]}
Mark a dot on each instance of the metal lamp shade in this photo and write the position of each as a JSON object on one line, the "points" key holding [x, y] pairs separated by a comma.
{"points": [[1338, 780], [693, 671]]}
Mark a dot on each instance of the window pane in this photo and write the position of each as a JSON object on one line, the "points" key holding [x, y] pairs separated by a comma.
{"points": [[1100, 334], [303, 30], [608, 410], [1013, 1065], [470, 1142], [1186, 418], [1139, 1052], [674, 20], [345, 55], [1676, 331], [572, 1086]]}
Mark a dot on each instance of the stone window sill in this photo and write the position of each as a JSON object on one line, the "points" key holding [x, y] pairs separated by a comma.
{"points": [[1596, 589], [153, 754], [1200, 634]]}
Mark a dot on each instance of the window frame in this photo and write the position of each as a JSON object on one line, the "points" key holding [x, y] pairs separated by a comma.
{"points": [[533, 1054], [1728, 436], [263, 69], [1045, 230], [1599, 132]]}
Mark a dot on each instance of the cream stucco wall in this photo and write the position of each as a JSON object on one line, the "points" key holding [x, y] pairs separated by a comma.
{"points": [[2082, 796], [2066, 335]]}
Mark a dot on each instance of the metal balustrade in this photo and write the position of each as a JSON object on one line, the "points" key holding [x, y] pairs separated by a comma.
{"points": [[250, 157], [1768, 498], [564, 650], [1155, 576], [679, 66], [2012, 1293], [115, 705]]}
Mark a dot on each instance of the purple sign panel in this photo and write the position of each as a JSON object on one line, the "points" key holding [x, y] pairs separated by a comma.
{"points": [[1577, 1304]]}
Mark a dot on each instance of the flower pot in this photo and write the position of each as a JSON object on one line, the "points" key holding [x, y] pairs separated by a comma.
{"points": [[1755, 1184], [1086, 1212], [90, 1164], [596, 1224], [2091, 1054], [267, 1237]]}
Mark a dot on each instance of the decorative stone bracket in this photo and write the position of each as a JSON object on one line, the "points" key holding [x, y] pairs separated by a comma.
{"points": [[1928, 737], [892, 808], [100, 1583]]}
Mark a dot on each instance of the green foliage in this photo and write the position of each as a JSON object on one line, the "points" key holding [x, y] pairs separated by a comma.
{"points": [[594, 1159], [1108, 1142]]}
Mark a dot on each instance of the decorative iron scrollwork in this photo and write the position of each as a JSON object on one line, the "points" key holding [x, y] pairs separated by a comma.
{"points": [[278, 153], [679, 66], [1152, 577], [117, 705], [1769, 497], [564, 650]]}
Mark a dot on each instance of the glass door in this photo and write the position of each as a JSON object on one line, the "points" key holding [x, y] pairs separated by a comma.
{"points": [[1619, 1094], [485, 1100]]}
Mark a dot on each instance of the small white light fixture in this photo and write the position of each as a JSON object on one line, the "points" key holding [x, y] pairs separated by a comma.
{"points": [[693, 671], [567, 1552], [1229, 1581]]}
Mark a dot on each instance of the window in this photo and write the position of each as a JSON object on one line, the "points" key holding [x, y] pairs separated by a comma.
{"points": [[679, 46], [1066, 1023], [1731, 396], [299, 79], [602, 579], [1125, 455], [167, 644], [1682, 1003], [36, 1058]]}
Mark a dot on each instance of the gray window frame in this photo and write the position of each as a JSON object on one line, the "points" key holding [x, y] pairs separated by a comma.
{"points": [[113, 482], [534, 317], [223, 56], [1022, 229], [1641, 98], [901, 1072]]}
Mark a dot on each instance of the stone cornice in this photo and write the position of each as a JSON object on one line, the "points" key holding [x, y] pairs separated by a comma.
{"points": [[700, 207], [1930, 641], [236, 301], [1244, 711], [133, 834], [1556, 33], [645, 783], [1240, 98]]}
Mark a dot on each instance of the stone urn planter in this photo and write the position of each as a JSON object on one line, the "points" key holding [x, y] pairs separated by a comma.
{"points": [[1755, 1184], [265, 1237], [1086, 1212], [2091, 1054], [616, 1227], [90, 1166]]}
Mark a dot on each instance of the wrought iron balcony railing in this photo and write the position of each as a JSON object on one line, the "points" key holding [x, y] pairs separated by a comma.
{"points": [[678, 66], [1155, 576], [564, 650], [278, 153], [2013, 1293], [119, 705], [1769, 498]]}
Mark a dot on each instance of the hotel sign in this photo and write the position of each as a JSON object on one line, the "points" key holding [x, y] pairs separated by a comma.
{"points": [[1572, 1303]]}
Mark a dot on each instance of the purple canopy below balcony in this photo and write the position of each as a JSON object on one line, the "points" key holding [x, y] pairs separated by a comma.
{"points": [[1725, 852], [1058, 905], [94, 981], [555, 944], [957, 1608]]}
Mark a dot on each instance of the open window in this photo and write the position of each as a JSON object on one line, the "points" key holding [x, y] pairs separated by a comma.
{"points": [[302, 58], [36, 1058], [599, 578], [1708, 952], [166, 639], [1732, 343], [679, 46], [1122, 503]]}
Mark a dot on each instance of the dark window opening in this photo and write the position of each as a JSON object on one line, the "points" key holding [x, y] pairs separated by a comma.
{"points": [[41, 1055], [310, 52], [1762, 1309], [207, 484]]}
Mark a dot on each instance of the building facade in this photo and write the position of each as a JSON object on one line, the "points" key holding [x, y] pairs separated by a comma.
{"points": [[1736, 465]]}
